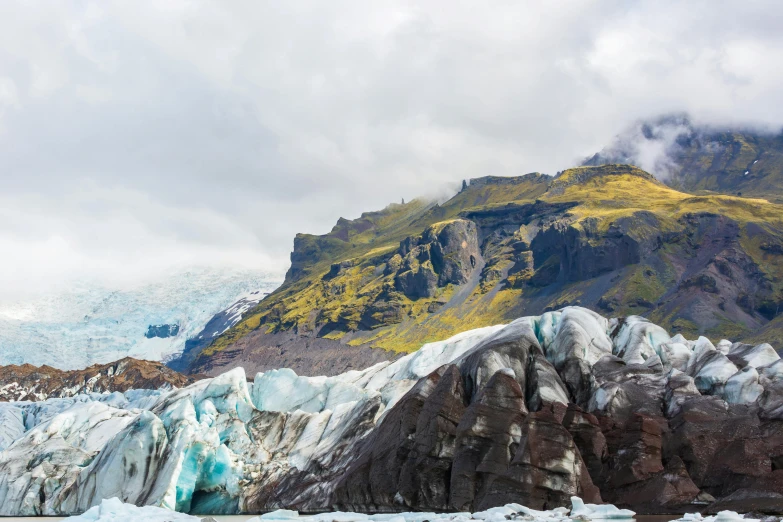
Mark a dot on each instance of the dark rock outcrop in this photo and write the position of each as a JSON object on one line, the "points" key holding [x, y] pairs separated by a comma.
{"points": [[444, 254]]}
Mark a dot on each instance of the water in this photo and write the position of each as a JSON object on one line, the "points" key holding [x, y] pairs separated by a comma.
{"points": [[243, 518], [219, 518]]}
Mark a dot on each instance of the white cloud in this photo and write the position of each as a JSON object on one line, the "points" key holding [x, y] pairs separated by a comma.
{"points": [[207, 129]]}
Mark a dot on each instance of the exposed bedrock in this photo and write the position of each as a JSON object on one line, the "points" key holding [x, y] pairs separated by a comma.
{"points": [[444, 254], [585, 252], [537, 411]]}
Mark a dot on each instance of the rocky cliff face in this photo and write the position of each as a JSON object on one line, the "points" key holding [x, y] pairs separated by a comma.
{"points": [[610, 238], [37, 383], [534, 412], [445, 254]]}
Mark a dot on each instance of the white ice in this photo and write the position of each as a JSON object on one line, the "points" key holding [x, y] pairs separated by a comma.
{"points": [[497, 514], [722, 516], [113, 510], [598, 511]]}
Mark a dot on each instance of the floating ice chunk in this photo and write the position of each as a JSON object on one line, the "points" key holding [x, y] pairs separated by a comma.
{"points": [[496, 514], [280, 514], [598, 511], [722, 516], [113, 510]]}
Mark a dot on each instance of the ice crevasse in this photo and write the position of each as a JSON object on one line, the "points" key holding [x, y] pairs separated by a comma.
{"points": [[223, 445]]}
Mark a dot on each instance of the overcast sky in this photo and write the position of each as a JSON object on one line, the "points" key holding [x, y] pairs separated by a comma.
{"points": [[136, 135]]}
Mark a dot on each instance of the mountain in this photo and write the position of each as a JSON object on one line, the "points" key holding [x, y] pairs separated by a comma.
{"points": [[535, 412], [89, 323], [612, 238], [702, 159], [38, 383]]}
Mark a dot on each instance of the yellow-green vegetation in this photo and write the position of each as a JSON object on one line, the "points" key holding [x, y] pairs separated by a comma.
{"points": [[342, 285], [607, 198], [367, 241]]}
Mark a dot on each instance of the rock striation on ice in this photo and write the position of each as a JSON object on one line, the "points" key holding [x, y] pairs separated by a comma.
{"points": [[567, 404]]}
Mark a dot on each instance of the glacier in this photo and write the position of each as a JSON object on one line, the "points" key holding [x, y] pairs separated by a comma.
{"points": [[226, 445], [90, 323]]}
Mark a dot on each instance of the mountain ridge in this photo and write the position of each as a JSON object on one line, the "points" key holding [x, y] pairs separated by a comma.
{"points": [[702, 159], [37, 383], [610, 237]]}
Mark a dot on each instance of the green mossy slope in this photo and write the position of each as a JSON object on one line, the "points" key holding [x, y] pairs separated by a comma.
{"points": [[609, 237]]}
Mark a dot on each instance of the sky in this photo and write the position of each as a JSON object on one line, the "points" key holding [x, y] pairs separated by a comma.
{"points": [[138, 136]]}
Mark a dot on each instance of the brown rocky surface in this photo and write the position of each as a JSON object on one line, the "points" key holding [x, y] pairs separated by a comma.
{"points": [[260, 351], [34, 383]]}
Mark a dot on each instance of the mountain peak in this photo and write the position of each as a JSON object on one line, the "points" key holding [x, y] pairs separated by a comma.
{"points": [[580, 175], [507, 180], [701, 159]]}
